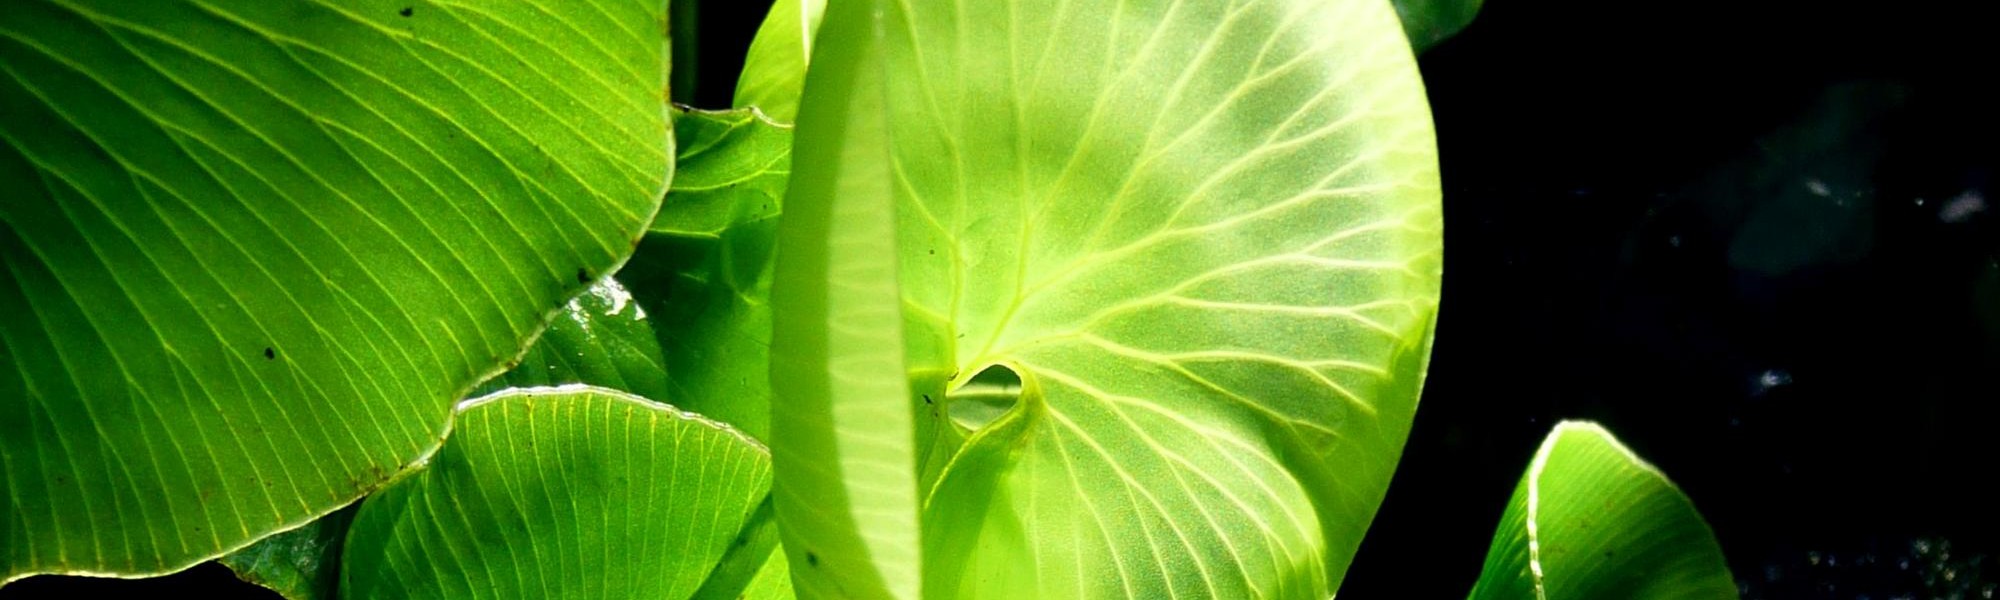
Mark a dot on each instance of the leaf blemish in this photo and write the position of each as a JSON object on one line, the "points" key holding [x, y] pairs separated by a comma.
{"points": [[582, 275], [812, 559], [407, 10], [270, 353], [927, 398]]}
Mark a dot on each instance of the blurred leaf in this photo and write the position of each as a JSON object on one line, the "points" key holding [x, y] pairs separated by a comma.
{"points": [[1428, 22], [685, 38], [1592, 520], [1803, 197]]}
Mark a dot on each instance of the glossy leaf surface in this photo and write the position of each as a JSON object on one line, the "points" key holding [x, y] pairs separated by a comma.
{"points": [[703, 273], [1428, 22], [603, 338], [255, 250]]}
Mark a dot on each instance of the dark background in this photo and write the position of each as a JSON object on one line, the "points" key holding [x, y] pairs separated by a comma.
{"points": [[1758, 240]]}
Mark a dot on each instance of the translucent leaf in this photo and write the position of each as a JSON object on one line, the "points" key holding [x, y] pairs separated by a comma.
{"points": [[775, 68], [1095, 299], [570, 492]]}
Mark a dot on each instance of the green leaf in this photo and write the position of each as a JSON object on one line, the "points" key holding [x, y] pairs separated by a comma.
{"points": [[1092, 299], [571, 492], [1591, 519], [703, 273], [256, 250], [841, 427], [1428, 22], [775, 68], [754, 567], [601, 338], [685, 31], [300, 564]]}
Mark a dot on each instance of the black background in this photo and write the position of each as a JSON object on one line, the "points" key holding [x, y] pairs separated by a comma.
{"points": [[1607, 166]]}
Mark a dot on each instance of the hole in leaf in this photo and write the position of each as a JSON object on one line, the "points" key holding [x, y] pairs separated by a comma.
{"points": [[984, 397]]}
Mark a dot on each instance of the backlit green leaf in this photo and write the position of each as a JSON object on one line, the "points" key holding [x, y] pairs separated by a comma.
{"points": [[253, 251], [571, 492], [1099, 299], [775, 68], [1590, 520]]}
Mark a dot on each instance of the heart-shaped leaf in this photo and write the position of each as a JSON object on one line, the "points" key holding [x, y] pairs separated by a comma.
{"points": [[1096, 299]]}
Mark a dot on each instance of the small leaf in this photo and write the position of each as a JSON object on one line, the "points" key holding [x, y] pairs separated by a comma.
{"points": [[775, 68], [602, 337], [703, 272], [571, 492], [1590, 519]]}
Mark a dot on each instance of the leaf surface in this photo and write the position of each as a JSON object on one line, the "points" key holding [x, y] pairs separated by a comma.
{"points": [[703, 272], [1100, 299], [571, 492], [1590, 519], [774, 71], [299, 564], [1429, 22], [603, 338], [255, 250]]}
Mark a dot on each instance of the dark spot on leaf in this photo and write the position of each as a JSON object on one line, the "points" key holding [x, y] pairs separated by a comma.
{"points": [[812, 559], [269, 353], [406, 11], [582, 275], [927, 398], [934, 252]]}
